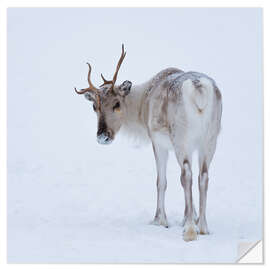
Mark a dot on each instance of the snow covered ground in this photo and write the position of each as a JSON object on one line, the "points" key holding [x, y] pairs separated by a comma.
{"points": [[71, 200]]}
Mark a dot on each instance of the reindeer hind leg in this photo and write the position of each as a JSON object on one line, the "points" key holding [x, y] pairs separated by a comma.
{"points": [[205, 158]]}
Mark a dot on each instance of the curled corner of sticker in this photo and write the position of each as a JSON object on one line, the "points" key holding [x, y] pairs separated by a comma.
{"points": [[250, 252]]}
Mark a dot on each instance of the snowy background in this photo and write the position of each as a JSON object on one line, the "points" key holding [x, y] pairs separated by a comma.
{"points": [[71, 200]]}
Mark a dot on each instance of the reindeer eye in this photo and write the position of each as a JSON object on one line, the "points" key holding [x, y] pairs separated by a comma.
{"points": [[94, 107], [116, 106]]}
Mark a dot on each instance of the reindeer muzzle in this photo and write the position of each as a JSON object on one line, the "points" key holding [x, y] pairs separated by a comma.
{"points": [[104, 138]]}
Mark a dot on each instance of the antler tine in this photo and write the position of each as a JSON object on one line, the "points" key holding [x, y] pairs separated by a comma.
{"points": [[105, 81], [118, 66], [91, 86], [82, 91]]}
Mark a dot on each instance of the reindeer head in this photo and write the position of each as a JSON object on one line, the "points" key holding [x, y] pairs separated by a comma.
{"points": [[108, 103]]}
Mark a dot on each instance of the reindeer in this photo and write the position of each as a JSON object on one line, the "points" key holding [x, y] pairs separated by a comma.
{"points": [[175, 110]]}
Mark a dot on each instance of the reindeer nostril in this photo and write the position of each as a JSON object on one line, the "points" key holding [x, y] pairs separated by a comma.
{"points": [[109, 133], [104, 138]]}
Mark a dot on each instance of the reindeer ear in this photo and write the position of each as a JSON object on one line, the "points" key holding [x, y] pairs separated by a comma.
{"points": [[124, 88], [90, 96]]}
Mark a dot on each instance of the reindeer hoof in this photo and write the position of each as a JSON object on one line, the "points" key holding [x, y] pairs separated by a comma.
{"points": [[204, 232], [190, 234], [203, 229], [160, 222]]}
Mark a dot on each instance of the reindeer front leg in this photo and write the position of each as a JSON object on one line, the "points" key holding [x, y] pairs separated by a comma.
{"points": [[161, 156]]}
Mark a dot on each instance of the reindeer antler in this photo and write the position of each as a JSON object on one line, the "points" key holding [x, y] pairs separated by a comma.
{"points": [[91, 87], [112, 82]]}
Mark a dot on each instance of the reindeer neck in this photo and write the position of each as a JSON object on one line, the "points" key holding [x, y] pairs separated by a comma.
{"points": [[133, 124]]}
